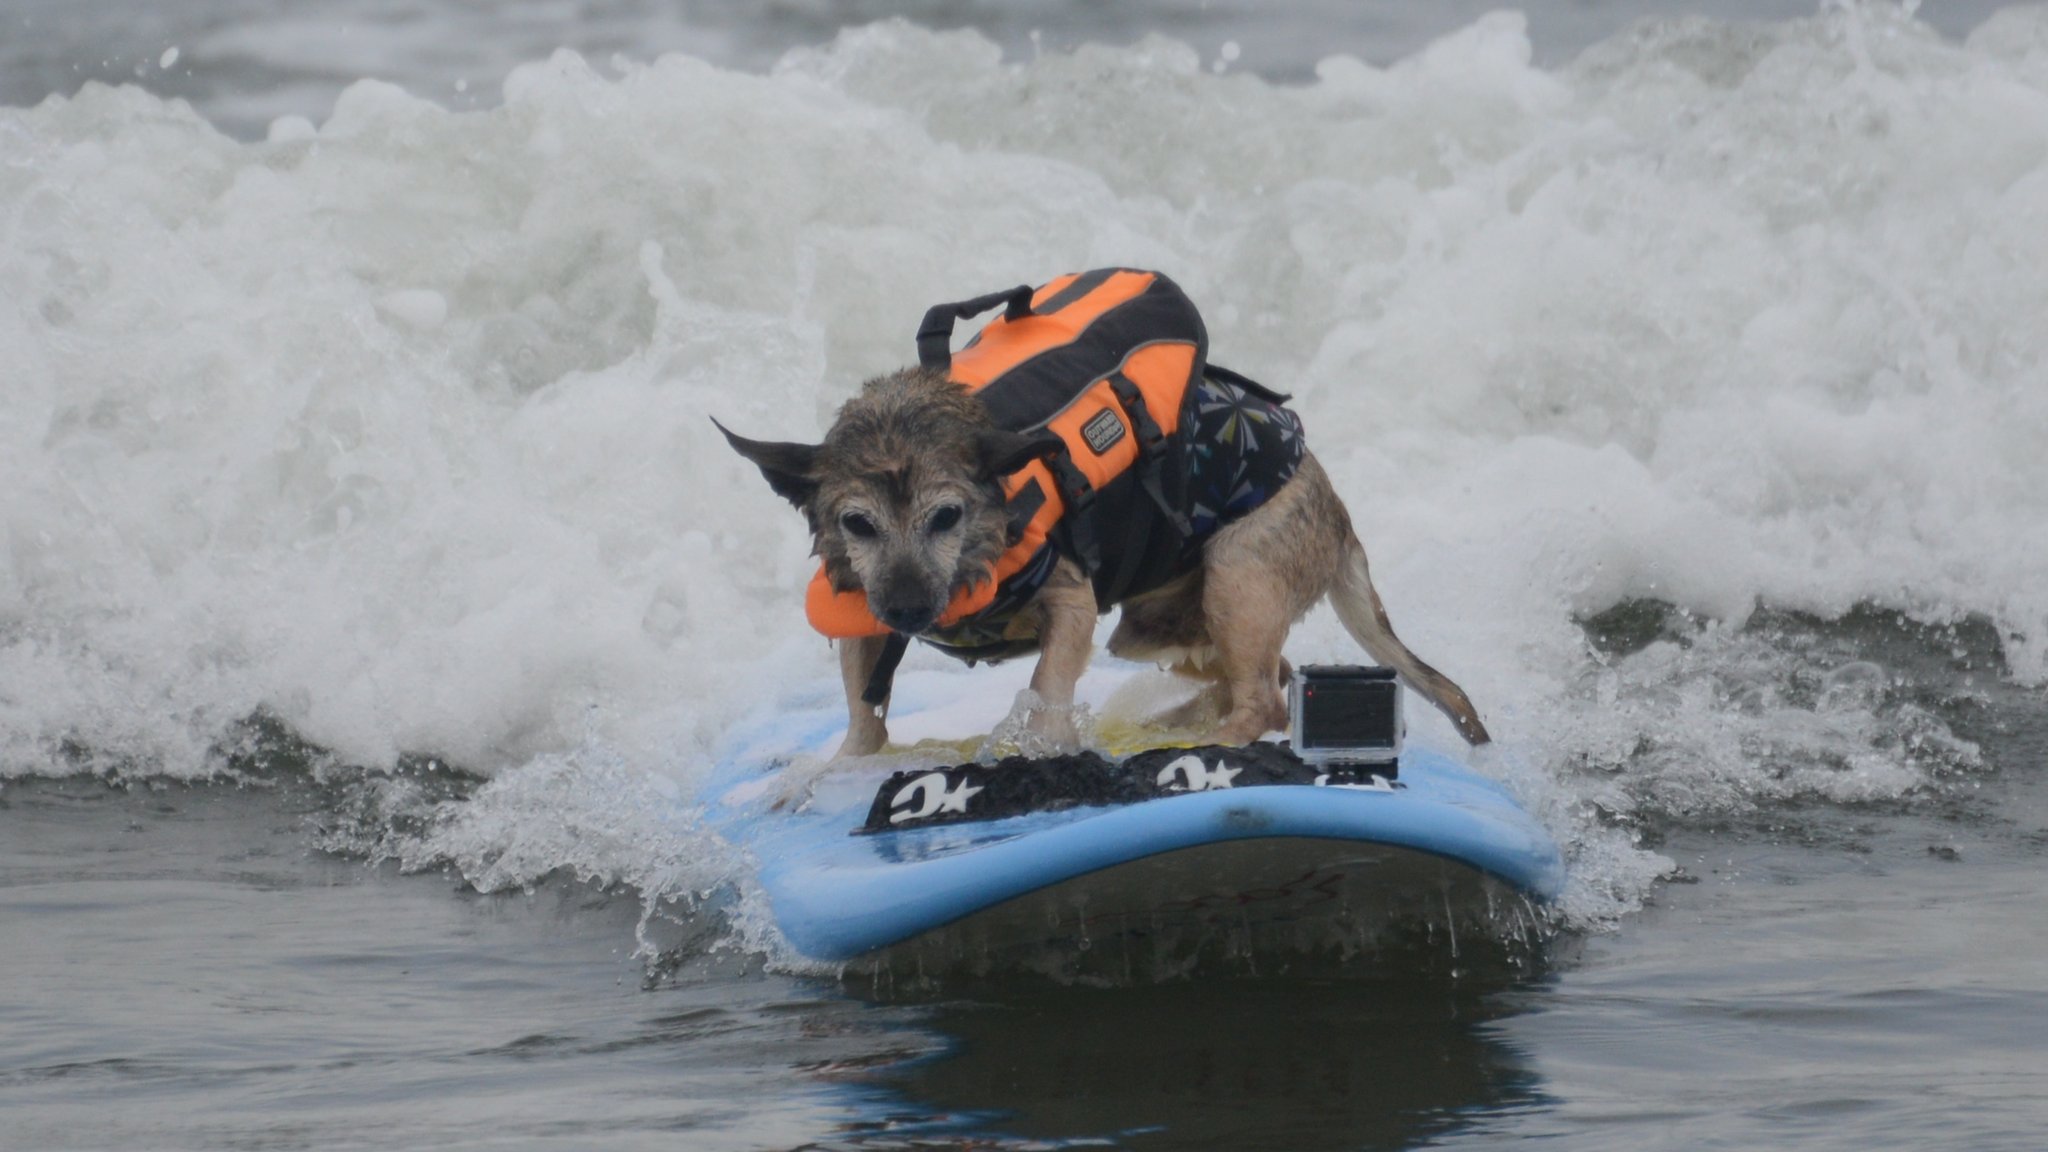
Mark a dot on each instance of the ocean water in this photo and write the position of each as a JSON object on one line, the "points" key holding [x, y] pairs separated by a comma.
{"points": [[377, 591]]}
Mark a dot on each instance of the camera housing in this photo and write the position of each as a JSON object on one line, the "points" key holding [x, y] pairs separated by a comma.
{"points": [[1346, 715]]}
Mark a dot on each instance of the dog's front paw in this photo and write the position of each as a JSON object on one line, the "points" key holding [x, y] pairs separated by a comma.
{"points": [[1056, 727], [790, 790], [1255, 709], [1037, 729], [860, 743], [866, 731]]}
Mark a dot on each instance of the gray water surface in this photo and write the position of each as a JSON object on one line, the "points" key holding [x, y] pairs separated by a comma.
{"points": [[184, 969]]}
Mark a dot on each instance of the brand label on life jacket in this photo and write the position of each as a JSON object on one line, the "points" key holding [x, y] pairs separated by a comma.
{"points": [[1103, 431]]}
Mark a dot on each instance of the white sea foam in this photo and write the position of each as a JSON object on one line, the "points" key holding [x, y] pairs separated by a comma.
{"points": [[395, 426]]}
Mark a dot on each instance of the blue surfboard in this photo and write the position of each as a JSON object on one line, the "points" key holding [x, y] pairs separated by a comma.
{"points": [[1284, 868]]}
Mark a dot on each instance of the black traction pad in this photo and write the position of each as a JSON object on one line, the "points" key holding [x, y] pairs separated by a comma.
{"points": [[1016, 785]]}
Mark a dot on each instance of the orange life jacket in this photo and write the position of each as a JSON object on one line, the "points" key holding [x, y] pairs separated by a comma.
{"points": [[1112, 362], [1101, 359]]}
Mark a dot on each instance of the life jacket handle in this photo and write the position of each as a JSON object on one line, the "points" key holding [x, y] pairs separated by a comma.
{"points": [[935, 335]]}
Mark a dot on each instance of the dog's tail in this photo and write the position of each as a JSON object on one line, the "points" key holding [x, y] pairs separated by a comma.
{"points": [[1358, 606]]}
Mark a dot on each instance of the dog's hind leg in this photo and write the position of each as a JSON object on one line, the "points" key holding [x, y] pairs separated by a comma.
{"points": [[867, 725], [1358, 606], [1260, 574], [1165, 627], [1207, 708], [1249, 628]]}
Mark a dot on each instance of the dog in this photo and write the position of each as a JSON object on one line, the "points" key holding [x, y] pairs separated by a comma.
{"points": [[905, 506]]}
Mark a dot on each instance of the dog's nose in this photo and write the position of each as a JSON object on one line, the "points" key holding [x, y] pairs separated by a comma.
{"points": [[908, 619]]}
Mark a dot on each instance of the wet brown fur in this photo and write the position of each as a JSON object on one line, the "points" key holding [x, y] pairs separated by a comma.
{"points": [[904, 434], [913, 441]]}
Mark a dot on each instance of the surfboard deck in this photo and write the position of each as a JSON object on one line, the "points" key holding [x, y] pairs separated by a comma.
{"points": [[1282, 867]]}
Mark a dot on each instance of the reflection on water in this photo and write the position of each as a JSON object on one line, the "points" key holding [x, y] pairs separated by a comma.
{"points": [[1381, 1063]]}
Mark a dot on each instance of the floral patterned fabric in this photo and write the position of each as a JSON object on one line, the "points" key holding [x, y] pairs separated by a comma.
{"points": [[1243, 449]]}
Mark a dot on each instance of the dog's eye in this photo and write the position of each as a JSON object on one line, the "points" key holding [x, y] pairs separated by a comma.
{"points": [[859, 525], [945, 519]]}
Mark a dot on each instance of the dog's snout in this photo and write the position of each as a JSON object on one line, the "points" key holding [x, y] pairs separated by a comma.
{"points": [[907, 618], [903, 602]]}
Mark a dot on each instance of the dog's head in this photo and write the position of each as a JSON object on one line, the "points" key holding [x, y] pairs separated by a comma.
{"points": [[903, 496]]}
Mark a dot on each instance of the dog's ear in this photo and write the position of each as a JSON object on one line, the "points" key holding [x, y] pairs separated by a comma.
{"points": [[1000, 452], [791, 469]]}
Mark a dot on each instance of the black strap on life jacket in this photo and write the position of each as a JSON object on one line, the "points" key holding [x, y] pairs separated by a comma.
{"points": [[880, 680], [1078, 522], [1151, 451], [1019, 510], [935, 335], [1151, 466]]}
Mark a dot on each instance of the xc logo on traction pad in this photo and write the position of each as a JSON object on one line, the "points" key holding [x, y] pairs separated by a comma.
{"points": [[925, 797], [937, 798], [1195, 776]]}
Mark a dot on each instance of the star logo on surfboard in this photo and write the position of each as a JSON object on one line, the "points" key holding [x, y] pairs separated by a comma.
{"points": [[937, 798], [1195, 776]]}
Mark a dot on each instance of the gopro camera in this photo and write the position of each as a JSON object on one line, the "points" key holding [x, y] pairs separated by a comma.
{"points": [[1346, 715]]}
